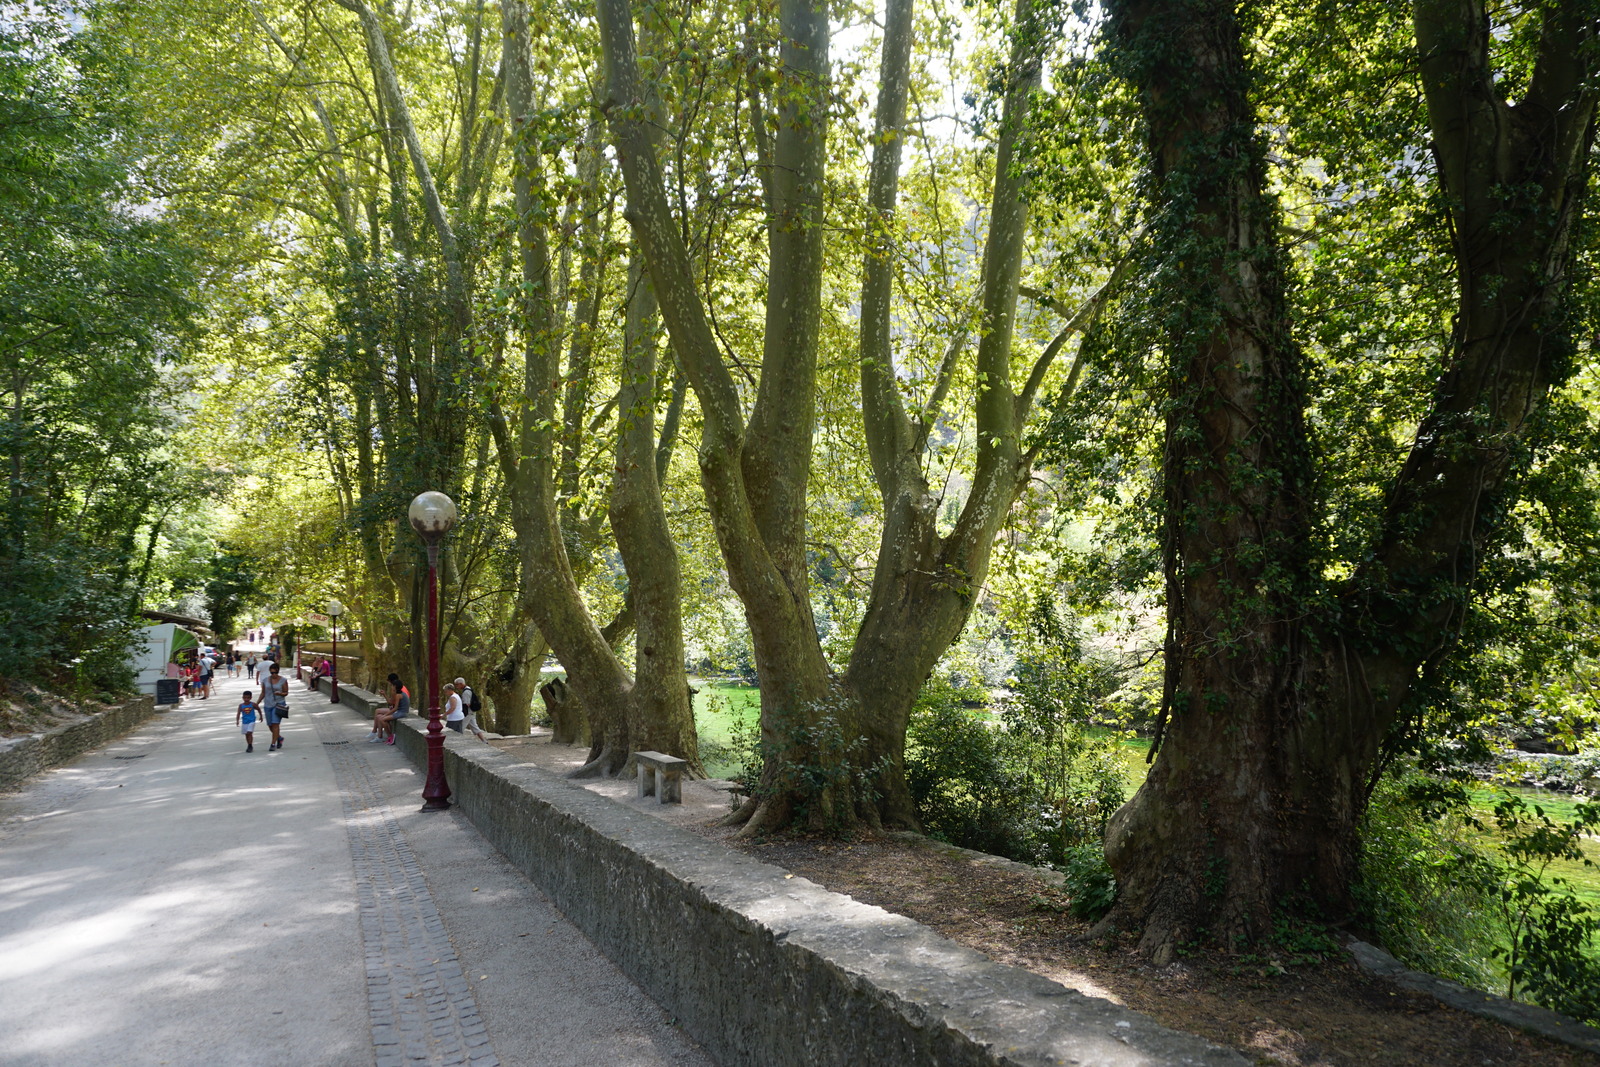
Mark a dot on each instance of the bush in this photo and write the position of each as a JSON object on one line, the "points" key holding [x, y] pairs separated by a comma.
{"points": [[64, 620], [1029, 783], [964, 788], [1487, 919], [1423, 889], [1551, 935], [1089, 881]]}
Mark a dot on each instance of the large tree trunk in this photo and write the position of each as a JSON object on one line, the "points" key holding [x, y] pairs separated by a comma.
{"points": [[625, 713], [510, 685], [660, 717], [925, 586], [755, 483], [1276, 708]]}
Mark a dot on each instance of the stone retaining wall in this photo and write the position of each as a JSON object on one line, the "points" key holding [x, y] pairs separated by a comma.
{"points": [[361, 701], [23, 757], [766, 968]]}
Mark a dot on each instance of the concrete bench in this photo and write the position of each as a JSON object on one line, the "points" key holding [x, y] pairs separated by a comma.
{"points": [[662, 775]]}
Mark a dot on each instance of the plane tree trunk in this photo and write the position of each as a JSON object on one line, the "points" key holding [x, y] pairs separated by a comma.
{"points": [[626, 712], [846, 732], [1280, 691]]}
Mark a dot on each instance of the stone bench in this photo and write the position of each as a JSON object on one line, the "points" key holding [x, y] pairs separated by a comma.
{"points": [[662, 775]]}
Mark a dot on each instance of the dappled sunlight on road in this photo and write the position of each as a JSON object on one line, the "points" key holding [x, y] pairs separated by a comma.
{"points": [[174, 899]]}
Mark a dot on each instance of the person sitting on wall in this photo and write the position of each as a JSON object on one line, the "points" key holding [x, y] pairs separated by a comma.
{"points": [[398, 707]]}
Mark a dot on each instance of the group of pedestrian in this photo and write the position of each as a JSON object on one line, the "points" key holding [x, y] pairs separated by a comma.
{"points": [[460, 710], [273, 705]]}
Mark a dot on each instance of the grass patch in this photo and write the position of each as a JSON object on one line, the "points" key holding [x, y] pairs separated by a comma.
{"points": [[1583, 881], [719, 707]]}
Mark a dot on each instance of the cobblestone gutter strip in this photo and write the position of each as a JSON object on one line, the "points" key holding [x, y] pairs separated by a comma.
{"points": [[23, 757], [1528, 1017], [423, 1012], [765, 968]]}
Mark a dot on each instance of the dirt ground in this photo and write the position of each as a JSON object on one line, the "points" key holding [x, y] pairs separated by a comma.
{"points": [[26, 709], [1276, 1010]]}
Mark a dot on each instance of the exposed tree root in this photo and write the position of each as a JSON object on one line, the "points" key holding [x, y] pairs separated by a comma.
{"points": [[740, 815], [603, 764], [769, 816]]}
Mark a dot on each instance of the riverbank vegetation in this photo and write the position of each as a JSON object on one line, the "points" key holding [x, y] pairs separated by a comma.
{"points": [[990, 386]]}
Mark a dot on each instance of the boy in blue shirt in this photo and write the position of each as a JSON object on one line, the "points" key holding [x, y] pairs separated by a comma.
{"points": [[245, 719]]}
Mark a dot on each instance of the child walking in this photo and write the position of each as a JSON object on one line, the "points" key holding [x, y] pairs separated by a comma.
{"points": [[245, 719]]}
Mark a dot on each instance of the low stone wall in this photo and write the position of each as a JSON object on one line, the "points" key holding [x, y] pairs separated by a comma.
{"points": [[766, 968], [1528, 1017], [23, 757], [360, 700]]}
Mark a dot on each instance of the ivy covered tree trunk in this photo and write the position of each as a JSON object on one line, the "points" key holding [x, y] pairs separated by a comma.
{"points": [[1281, 689]]}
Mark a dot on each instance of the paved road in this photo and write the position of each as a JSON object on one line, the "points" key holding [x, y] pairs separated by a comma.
{"points": [[173, 900]]}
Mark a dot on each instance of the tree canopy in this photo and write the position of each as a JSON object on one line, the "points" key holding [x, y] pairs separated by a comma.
{"points": [[1216, 370]]}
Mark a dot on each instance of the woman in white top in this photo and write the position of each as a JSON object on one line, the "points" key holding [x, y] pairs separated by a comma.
{"points": [[470, 717], [453, 715]]}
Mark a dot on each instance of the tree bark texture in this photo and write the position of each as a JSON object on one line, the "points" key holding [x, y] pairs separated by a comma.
{"points": [[626, 713], [924, 585], [755, 481], [1280, 692]]}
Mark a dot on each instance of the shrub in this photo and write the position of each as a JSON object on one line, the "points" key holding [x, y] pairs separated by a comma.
{"points": [[65, 619], [1030, 783], [1423, 889], [1089, 881], [1549, 949], [1486, 917]]}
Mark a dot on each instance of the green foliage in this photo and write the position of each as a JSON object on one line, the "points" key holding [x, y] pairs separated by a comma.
{"points": [[1089, 880], [1422, 889], [1552, 955], [229, 587], [1030, 783], [1446, 901], [64, 618], [93, 305]]}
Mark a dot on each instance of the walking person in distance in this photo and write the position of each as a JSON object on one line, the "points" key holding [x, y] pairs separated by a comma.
{"points": [[275, 701], [471, 705]]}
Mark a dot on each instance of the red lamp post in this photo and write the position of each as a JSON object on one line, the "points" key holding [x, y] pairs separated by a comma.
{"points": [[432, 515], [335, 609]]}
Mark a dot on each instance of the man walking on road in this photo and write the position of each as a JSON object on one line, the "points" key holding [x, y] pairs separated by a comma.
{"points": [[263, 675]]}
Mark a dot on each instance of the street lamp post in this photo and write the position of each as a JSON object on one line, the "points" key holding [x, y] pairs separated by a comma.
{"points": [[335, 609], [432, 515]]}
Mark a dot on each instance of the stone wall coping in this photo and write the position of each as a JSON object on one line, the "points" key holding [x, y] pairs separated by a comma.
{"points": [[1528, 1017], [765, 967], [23, 757]]}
